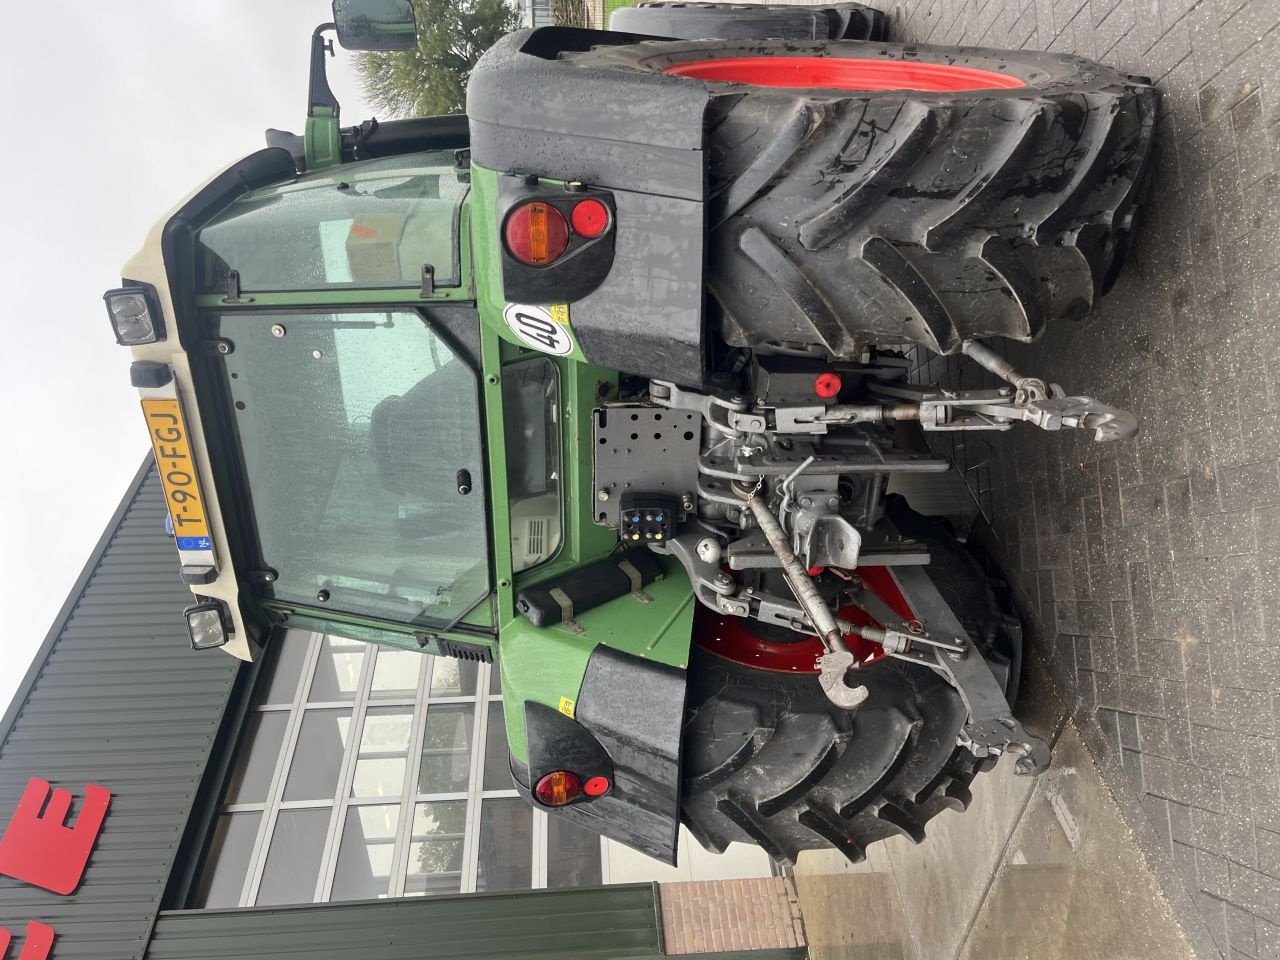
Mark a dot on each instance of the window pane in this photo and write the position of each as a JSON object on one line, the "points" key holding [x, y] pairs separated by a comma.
{"points": [[530, 408], [313, 772], [338, 670], [386, 731], [379, 777], [573, 855], [506, 845], [446, 748], [453, 678], [497, 759], [440, 819], [288, 668], [367, 854], [258, 755], [395, 673], [373, 224], [352, 429], [293, 862], [495, 678], [224, 872], [435, 855]]}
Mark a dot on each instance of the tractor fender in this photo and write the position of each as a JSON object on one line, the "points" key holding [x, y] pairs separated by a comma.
{"points": [[629, 717], [535, 117], [531, 112]]}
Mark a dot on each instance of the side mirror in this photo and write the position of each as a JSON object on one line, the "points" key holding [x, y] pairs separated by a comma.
{"points": [[375, 24]]}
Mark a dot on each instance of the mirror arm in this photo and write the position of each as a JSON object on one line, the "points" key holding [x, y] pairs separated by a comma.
{"points": [[322, 138], [319, 94]]}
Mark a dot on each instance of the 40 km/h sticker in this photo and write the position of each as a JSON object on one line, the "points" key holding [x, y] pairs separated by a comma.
{"points": [[543, 328]]}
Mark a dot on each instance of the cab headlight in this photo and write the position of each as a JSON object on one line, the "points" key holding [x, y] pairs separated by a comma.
{"points": [[134, 316], [207, 625]]}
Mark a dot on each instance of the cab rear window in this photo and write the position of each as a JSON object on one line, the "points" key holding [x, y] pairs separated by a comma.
{"points": [[374, 224]]}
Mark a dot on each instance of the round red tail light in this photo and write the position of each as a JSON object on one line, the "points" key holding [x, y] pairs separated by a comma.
{"points": [[558, 788], [536, 233], [590, 218], [596, 786], [827, 385]]}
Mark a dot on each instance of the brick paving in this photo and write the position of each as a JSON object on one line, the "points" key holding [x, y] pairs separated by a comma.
{"points": [[723, 916], [1151, 568]]}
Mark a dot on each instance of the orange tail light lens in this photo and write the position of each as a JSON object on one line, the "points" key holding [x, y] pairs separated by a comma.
{"points": [[536, 233], [558, 788]]}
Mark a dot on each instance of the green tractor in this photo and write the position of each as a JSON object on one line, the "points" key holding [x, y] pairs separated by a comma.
{"points": [[608, 382]]}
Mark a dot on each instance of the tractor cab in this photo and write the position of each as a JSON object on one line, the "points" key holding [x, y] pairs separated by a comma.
{"points": [[310, 358], [357, 434]]}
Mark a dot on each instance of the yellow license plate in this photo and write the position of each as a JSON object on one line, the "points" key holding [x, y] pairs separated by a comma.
{"points": [[177, 473]]}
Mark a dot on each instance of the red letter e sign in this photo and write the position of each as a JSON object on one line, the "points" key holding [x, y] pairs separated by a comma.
{"points": [[41, 849], [39, 942]]}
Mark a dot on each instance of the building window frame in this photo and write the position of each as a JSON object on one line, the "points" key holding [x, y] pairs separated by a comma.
{"points": [[420, 701]]}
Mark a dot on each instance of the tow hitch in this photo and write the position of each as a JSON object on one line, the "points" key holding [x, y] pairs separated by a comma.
{"points": [[1026, 399], [946, 648]]}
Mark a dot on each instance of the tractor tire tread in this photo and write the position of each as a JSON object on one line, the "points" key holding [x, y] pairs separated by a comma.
{"points": [[768, 760], [846, 218]]}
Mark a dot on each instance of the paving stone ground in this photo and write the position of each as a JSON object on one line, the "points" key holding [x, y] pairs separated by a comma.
{"points": [[1152, 567]]}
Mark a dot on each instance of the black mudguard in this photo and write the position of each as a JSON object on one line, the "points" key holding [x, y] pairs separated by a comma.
{"points": [[535, 113], [639, 136], [753, 21], [629, 717]]}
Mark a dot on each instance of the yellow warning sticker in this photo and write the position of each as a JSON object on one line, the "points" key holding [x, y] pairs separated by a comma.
{"points": [[566, 706], [560, 312]]}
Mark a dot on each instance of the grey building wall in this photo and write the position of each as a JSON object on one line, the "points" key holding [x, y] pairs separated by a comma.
{"points": [[116, 697]]}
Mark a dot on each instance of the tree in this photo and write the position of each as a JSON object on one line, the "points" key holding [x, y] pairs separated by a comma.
{"points": [[432, 79], [569, 13]]}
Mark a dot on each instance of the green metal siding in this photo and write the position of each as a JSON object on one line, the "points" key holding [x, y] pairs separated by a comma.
{"points": [[595, 923], [116, 697]]}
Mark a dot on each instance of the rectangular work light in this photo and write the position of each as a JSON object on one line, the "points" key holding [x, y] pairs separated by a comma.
{"points": [[134, 316], [207, 624]]}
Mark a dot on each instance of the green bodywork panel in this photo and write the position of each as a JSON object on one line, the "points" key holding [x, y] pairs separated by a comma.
{"points": [[546, 665], [385, 632], [322, 139]]}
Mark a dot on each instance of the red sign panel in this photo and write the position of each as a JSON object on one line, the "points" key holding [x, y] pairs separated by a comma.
{"points": [[38, 944], [40, 849]]}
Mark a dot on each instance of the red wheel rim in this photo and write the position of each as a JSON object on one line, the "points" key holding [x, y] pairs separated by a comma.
{"points": [[841, 73], [729, 637]]}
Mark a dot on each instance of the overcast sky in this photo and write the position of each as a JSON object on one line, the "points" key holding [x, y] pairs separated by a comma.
{"points": [[112, 113]]}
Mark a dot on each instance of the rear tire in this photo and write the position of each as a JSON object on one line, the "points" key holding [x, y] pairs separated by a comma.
{"points": [[845, 217], [768, 760]]}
